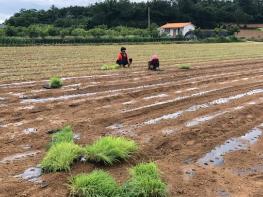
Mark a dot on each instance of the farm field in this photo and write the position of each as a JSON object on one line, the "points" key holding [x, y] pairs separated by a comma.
{"points": [[202, 126]]}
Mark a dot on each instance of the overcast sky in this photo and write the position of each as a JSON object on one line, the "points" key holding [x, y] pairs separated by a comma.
{"points": [[9, 7]]}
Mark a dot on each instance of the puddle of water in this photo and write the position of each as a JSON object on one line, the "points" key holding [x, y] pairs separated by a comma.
{"points": [[222, 193], [25, 146], [129, 102], [19, 95], [174, 100], [249, 171], [203, 106], [226, 100], [19, 156], [201, 119], [90, 76], [27, 83], [27, 107], [165, 117], [190, 172], [72, 85], [17, 124], [30, 131], [155, 96], [120, 129], [115, 126], [66, 97], [208, 117], [169, 132], [76, 136], [216, 156], [37, 91], [31, 174]]}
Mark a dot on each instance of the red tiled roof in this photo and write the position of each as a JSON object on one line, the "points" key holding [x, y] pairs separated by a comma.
{"points": [[175, 25]]}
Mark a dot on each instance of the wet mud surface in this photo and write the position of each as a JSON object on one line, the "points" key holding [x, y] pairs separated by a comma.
{"points": [[202, 126]]}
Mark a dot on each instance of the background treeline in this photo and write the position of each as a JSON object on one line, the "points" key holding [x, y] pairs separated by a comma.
{"points": [[101, 31], [112, 13]]}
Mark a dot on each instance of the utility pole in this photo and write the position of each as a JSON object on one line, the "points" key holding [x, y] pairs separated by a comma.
{"points": [[149, 17]]}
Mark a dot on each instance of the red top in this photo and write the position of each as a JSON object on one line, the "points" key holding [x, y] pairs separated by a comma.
{"points": [[121, 56]]}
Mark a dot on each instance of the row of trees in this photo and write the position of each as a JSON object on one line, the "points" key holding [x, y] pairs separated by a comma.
{"points": [[43, 31], [203, 13]]}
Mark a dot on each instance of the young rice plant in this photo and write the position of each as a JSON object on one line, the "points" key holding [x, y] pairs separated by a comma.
{"points": [[184, 66], [96, 184], [109, 150], [60, 157], [55, 82], [110, 67], [145, 182], [64, 135]]}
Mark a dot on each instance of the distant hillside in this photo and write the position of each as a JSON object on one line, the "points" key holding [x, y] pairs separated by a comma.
{"points": [[203, 13]]}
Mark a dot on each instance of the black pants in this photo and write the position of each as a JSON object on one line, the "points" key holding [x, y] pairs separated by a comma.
{"points": [[153, 65], [122, 63]]}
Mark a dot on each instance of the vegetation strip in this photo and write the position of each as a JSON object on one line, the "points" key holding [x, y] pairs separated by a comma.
{"points": [[109, 150]]}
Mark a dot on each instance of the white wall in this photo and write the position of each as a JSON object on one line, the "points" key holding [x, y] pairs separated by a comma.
{"points": [[173, 32], [188, 28]]}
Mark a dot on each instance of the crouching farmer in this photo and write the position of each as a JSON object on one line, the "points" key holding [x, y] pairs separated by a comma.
{"points": [[154, 63], [122, 59]]}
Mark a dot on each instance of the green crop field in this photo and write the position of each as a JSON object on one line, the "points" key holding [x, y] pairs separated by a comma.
{"points": [[40, 62]]}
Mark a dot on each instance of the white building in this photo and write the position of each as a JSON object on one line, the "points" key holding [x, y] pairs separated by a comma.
{"points": [[176, 29]]}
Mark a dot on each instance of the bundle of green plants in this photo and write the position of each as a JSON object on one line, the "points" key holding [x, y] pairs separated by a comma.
{"points": [[109, 150], [55, 82], [96, 184], [64, 135], [184, 66], [110, 67], [60, 157], [145, 181]]}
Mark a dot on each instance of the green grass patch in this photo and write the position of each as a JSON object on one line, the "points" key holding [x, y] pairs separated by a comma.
{"points": [[109, 150], [110, 67], [64, 135], [260, 29], [60, 157], [145, 182], [145, 169], [96, 184], [184, 66], [55, 82]]}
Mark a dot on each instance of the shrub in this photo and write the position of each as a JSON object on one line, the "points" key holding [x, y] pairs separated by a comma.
{"points": [[55, 82], [184, 66], [145, 182], [110, 67], [60, 157], [96, 184], [109, 150], [64, 135]]}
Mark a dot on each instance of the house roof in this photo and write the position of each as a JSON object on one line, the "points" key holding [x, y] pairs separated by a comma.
{"points": [[175, 25]]}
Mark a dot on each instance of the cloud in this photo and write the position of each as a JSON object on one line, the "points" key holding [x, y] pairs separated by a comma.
{"points": [[8, 8]]}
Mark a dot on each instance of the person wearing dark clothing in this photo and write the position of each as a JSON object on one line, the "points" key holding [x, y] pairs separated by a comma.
{"points": [[123, 59], [154, 63]]}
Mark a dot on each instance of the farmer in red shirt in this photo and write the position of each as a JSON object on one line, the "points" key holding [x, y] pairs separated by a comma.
{"points": [[123, 58]]}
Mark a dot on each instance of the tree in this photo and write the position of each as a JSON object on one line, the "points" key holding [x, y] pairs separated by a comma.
{"points": [[79, 32]]}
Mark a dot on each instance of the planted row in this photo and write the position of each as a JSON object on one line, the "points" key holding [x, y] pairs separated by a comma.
{"points": [[63, 152], [144, 181]]}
